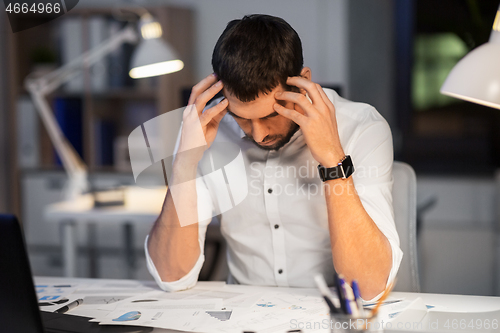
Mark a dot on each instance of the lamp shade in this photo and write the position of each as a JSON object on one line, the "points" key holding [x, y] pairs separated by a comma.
{"points": [[476, 78], [153, 56]]}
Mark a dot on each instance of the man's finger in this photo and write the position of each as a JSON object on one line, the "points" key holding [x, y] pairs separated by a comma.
{"points": [[325, 98], [296, 98], [306, 85], [293, 115], [202, 100], [219, 117], [213, 112], [201, 86]]}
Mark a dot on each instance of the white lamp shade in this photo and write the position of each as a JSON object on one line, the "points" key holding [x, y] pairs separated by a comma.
{"points": [[154, 57], [476, 78]]}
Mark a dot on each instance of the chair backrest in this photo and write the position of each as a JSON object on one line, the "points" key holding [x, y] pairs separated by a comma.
{"points": [[404, 194]]}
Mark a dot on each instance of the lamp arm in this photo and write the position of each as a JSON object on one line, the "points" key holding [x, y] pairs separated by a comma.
{"points": [[70, 159], [40, 87], [51, 81]]}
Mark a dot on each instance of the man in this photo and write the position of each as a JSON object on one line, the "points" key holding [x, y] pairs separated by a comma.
{"points": [[293, 224]]}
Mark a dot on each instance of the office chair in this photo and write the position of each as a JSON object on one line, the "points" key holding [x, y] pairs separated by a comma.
{"points": [[404, 196]]}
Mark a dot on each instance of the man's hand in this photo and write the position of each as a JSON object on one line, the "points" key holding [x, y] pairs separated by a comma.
{"points": [[194, 116], [317, 120], [173, 242]]}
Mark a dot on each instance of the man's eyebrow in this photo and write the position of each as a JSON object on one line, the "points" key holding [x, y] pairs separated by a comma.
{"points": [[274, 114], [232, 114]]}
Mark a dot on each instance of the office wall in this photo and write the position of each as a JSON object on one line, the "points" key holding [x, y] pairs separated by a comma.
{"points": [[321, 24], [5, 156], [459, 235], [371, 55]]}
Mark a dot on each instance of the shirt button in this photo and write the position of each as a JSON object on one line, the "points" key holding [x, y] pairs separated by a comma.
{"points": [[280, 271], [276, 226], [270, 190]]}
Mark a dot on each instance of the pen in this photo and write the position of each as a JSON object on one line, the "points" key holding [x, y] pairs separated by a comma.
{"points": [[340, 293], [357, 298], [351, 300], [347, 299], [70, 306], [332, 302], [369, 305]]}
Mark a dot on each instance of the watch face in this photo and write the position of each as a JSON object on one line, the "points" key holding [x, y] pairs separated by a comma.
{"points": [[344, 170], [348, 167], [335, 173]]}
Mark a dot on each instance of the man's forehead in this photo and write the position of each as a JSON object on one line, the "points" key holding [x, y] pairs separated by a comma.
{"points": [[227, 92], [260, 107]]}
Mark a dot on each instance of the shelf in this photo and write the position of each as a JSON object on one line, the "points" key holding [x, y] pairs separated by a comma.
{"points": [[104, 117], [120, 93]]}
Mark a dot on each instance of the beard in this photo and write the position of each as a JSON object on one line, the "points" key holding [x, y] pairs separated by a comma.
{"points": [[281, 139]]}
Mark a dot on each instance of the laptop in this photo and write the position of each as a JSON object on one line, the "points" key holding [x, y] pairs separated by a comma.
{"points": [[19, 311]]}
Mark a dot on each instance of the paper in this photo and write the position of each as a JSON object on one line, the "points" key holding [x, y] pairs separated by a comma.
{"points": [[205, 304], [419, 317], [112, 291], [54, 292], [388, 301], [227, 309], [153, 296], [93, 300], [209, 307], [179, 320], [390, 311]]}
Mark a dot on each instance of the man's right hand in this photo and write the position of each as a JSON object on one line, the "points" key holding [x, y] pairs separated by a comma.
{"points": [[194, 116], [173, 242]]}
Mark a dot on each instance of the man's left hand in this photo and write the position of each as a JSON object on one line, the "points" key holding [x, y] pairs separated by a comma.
{"points": [[316, 119]]}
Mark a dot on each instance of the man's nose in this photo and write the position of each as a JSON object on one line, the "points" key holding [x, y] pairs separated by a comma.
{"points": [[259, 132]]}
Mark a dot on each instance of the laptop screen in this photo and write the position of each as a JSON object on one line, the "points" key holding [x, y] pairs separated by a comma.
{"points": [[18, 302]]}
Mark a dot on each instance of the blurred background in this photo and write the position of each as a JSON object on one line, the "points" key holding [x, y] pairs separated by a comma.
{"points": [[392, 54]]}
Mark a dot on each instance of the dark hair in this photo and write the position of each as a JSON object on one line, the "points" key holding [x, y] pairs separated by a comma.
{"points": [[256, 54]]}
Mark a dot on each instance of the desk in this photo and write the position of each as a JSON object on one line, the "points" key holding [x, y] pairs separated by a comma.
{"points": [[456, 303], [141, 206]]}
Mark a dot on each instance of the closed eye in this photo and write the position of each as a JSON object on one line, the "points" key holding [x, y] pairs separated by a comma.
{"points": [[233, 115], [274, 114]]}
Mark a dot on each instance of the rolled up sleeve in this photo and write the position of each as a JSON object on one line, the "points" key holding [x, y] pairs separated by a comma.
{"points": [[187, 281]]}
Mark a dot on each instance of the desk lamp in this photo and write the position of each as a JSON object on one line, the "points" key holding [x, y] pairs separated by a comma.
{"points": [[476, 78], [152, 57]]}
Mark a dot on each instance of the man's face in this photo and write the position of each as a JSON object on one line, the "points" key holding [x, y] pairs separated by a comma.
{"points": [[261, 124]]}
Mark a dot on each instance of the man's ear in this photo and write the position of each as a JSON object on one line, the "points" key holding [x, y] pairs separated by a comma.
{"points": [[306, 73]]}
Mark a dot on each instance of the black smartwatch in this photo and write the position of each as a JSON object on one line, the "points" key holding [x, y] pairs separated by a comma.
{"points": [[343, 170]]}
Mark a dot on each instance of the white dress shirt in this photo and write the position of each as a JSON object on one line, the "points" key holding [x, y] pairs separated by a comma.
{"points": [[278, 235]]}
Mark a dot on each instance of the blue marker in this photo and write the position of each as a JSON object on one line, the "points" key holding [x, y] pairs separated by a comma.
{"points": [[340, 293], [346, 300], [357, 298]]}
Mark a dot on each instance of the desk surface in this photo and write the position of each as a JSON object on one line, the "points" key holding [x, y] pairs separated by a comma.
{"points": [[140, 204], [454, 303]]}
